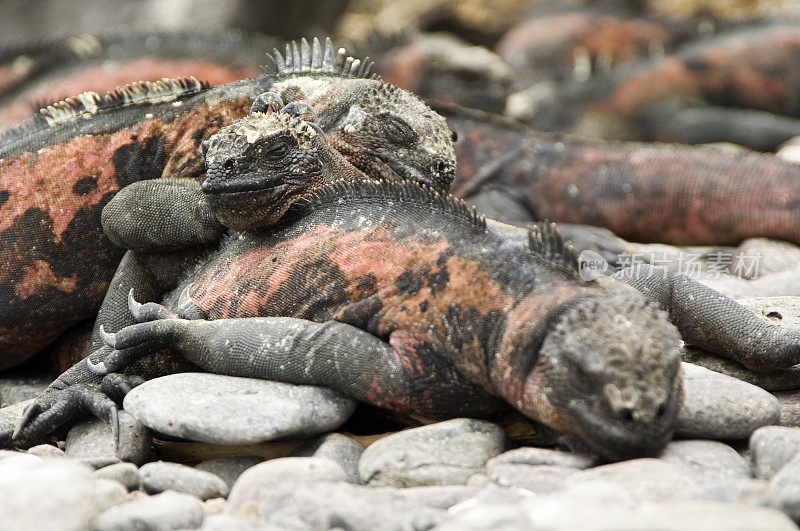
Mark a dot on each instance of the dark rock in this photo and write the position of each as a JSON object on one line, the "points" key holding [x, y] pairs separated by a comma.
{"points": [[91, 440]]}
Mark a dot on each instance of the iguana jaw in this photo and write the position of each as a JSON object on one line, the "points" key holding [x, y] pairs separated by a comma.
{"points": [[608, 372]]}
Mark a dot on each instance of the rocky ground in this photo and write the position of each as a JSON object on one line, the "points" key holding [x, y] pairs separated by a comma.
{"points": [[268, 455]]}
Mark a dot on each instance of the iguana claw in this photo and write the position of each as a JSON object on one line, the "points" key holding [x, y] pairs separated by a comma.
{"points": [[296, 108], [99, 368], [109, 338], [266, 101]]}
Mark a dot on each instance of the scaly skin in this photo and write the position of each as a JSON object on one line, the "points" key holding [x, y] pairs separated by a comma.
{"points": [[642, 192], [407, 300], [574, 43], [650, 101], [56, 264], [38, 75]]}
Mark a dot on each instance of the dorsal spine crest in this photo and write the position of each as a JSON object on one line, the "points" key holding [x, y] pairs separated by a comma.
{"points": [[305, 59], [546, 243]]}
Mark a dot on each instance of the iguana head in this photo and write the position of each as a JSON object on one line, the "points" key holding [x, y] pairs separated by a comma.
{"points": [[384, 131], [257, 167], [609, 373]]}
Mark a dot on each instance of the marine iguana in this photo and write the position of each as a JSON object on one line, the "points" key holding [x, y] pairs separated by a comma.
{"points": [[642, 192], [738, 87], [56, 264], [34, 75], [406, 299]]}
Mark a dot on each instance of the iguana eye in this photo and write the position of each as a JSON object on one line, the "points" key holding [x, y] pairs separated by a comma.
{"points": [[273, 152], [398, 131]]}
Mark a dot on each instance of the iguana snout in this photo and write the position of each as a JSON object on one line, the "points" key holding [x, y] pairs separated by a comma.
{"points": [[610, 371], [257, 167]]}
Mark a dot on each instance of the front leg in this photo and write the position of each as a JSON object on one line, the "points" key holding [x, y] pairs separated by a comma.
{"points": [[331, 354], [710, 320], [160, 215]]}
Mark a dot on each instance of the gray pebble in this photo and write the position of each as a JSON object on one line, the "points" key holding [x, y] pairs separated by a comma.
{"points": [[326, 505], [646, 479], [734, 490], [228, 469], [40, 493], [340, 448], [440, 497], [780, 380], [771, 447], [229, 522], [168, 510], [567, 514], [445, 453], [255, 482], [11, 415], [161, 476], [47, 450], [707, 458], [91, 440], [784, 489], [125, 473], [108, 493], [214, 506], [716, 406], [539, 479], [19, 388], [227, 410], [528, 455]]}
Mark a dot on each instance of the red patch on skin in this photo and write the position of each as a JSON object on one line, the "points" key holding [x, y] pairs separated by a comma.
{"points": [[39, 276], [112, 74], [44, 180]]}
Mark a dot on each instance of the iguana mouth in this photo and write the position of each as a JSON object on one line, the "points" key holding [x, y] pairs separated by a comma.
{"points": [[405, 172], [253, 183], [615, 439]]}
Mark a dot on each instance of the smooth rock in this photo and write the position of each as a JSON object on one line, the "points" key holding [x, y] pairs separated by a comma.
{"points": [[784, 489], [15, 388], [91, 440], [752, 491], [256, 482], [340, 448], [556, 514], [40, 493], [539, 479], [220, 409], [228, 469], [771, 447], [439, 497], [707, 458], [326, 505], [229, 522], [161, 476], [168, 510], [47, 450], [214, 506], [780, 380], [10, 417], [444, 453], [647, 479], [108, 493], [528, 455], [717, 406], [125, 473]]}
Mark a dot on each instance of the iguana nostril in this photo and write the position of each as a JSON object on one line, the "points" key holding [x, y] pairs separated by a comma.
{"points": [[229, 165]]}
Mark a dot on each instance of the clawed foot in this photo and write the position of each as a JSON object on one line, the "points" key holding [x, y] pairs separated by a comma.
{"points": [[155, 324]]}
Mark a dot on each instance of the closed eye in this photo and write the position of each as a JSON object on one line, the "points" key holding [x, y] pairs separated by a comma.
{"points": [[397, 130]]}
